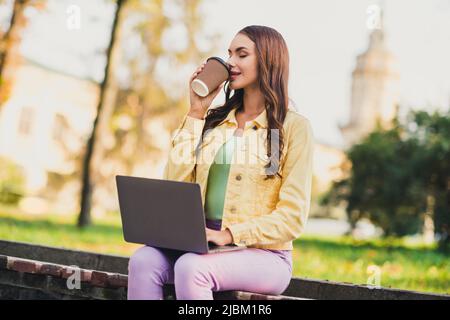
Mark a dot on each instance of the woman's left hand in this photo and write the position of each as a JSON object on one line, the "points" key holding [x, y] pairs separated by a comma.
{"points": [[221, 238]]}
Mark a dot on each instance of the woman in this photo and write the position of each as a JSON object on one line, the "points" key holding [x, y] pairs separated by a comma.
{"points": [[262, 202]]}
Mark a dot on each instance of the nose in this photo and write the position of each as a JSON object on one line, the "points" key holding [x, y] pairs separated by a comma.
{"points": [[229, 63]]}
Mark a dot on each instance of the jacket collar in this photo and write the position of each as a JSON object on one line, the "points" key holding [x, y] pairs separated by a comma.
{"points": [[260, 120]]}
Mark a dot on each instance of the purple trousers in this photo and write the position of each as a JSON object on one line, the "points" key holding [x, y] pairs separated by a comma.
{"points": [[196, 276]]}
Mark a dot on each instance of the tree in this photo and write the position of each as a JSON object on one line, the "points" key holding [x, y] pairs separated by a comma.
{"points": [[432, 166], [377, 186], [84, 218], [395, 172]]}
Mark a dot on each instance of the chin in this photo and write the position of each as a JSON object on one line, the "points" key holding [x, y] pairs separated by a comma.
{"points": [[235, 86]]}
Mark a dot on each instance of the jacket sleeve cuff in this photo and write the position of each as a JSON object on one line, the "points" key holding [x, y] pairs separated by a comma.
{"points": [[193, 125], [190, 128], [241, 234]]}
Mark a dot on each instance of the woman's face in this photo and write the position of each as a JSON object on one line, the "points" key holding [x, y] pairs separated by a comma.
{"points": [[242, 59]]}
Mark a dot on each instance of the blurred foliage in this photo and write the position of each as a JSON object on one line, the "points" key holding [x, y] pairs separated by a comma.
{"points": [[11, 182], [128, 135], [150, 97], [432, 166], [393, 174], [143, 48], [10, 41]]}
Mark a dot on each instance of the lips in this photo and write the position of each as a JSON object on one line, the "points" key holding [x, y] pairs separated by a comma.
{"points": [[234, 75]]}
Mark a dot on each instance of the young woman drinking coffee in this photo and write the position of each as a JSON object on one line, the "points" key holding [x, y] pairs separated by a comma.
{"points": [[256, 186]]}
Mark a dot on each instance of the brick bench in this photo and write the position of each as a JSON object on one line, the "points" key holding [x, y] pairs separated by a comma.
{"points": [[105, 278], [30, 279]]}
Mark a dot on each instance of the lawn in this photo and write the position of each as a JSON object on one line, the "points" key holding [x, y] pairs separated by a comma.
{"points": [[338, 259]]}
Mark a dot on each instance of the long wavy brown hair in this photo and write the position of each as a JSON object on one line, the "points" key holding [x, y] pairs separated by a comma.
{"points": [[273, 75]]}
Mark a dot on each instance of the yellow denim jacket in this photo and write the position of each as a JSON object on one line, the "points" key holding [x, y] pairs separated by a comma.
{"points": [[267, 214]]}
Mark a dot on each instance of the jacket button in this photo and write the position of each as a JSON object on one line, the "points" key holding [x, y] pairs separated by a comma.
{"points": [[233, 209], [238, 177]]}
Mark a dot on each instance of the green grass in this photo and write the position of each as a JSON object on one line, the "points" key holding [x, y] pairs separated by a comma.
{"points": [[412, 267], [104, 236], [400, 266]]}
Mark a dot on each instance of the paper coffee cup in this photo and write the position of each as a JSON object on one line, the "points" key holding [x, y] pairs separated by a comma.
{"points": [[215, 72]]}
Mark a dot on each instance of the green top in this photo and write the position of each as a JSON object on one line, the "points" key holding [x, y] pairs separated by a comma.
{"points": [[218, 180]]}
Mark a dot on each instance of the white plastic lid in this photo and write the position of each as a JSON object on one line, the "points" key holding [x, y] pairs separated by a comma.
{"points": [[200, 88]]}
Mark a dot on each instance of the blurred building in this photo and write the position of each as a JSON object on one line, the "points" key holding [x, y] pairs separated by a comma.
{"points": [[43, 127], [375, 90], [374, 101]]}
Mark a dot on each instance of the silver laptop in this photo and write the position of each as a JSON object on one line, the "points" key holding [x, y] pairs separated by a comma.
{"points": [[164, 213]]}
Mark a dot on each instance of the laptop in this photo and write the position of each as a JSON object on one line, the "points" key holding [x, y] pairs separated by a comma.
{"points": [[166, 214]]}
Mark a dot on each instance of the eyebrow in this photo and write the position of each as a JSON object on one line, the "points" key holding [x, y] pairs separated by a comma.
{"points": [[238, 49]]}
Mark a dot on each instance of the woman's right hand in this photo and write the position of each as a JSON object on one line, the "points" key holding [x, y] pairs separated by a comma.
{"points": [[199, 105]]}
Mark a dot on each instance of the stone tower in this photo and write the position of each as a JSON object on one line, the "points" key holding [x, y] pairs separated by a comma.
{"points": [[374, 91]]}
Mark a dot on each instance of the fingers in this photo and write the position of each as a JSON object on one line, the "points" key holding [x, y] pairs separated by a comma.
{"points": [[199, 69]]}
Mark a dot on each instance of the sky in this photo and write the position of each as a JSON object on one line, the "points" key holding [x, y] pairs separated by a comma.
{"points": [[323, 36]]}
